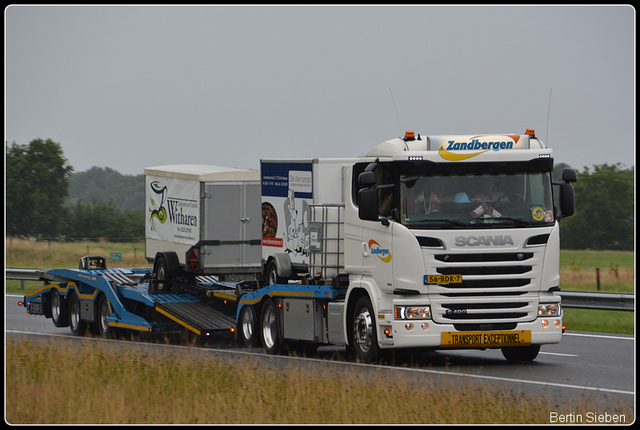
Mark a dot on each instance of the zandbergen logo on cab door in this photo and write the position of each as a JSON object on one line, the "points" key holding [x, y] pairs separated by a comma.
{"points": [[382, 253]]}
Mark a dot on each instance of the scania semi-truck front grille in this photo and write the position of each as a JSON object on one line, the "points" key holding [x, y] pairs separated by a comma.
{"points": [[494, 287]]}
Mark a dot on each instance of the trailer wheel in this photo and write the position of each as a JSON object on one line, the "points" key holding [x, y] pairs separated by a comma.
{"points": [[249, 326], [102, 312], [365, 341], [271, 276], [165, 267], [521, 353], [76, 324], [59, 311], [270, 335]]}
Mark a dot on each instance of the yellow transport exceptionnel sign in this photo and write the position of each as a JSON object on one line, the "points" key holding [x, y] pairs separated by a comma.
{"points": [[484, 339]]}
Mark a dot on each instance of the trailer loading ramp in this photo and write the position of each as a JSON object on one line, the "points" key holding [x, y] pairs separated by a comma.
{"points": [[193, 314]]}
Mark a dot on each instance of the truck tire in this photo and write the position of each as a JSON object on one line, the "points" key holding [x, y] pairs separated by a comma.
{"points": [[76, 324], [269, 328], [59, 309], [249, 327], [363, 328], [165, 266], [271, 276], [102, 312], [521, 353]]}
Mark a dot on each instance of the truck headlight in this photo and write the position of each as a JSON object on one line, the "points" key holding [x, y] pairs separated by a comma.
{"points": [[412, 312], [549, 309]]}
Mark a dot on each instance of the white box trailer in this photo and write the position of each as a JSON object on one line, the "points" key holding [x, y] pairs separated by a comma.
{"points": [[302, 202], [211, 213]]}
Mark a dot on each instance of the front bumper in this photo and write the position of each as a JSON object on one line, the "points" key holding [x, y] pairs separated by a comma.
{"points": [[428, 334]]}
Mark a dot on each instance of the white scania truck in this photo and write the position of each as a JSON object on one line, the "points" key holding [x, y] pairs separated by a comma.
{"points": [[425, 242]]}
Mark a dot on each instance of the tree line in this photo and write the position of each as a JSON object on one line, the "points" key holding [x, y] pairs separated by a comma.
{"points": [[604, 210], [38, 180], [102, 184], [38, 202]]}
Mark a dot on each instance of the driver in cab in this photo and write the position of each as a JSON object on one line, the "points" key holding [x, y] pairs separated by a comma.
{"points": [[488, 191]]}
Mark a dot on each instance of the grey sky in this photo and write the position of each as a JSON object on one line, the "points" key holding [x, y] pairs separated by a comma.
{"points": [[131, 87]]}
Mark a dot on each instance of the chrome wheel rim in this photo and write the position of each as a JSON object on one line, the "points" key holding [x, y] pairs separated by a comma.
{"points": [[104, 313], [75, 313], [55, 306], [247, 323], [269, 326], [363, 330]]}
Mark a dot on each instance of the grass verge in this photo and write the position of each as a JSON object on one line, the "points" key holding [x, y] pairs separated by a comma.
{"points": [[60, 383], [603, 321], [29, 253]]}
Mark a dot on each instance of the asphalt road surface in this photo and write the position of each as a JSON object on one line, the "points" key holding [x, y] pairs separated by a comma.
{"points": [[597, 366]]}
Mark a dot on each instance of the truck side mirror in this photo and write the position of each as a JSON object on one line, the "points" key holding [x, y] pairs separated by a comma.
{"points": [[569, 175], [368, 203], [567, 199], [366, 179]]}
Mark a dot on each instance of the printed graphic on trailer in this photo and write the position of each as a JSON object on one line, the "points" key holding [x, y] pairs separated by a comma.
{"points": [[287, 192], [172, 210]]}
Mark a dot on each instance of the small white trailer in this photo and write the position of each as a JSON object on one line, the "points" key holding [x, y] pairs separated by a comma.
{"points": [[207, 216]]}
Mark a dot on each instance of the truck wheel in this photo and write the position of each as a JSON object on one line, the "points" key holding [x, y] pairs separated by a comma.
{"points": [[102, 312], [160, 269], [75, 322], [270, 335], [249, 326], [521, 353], [271, 276], [59, 311], [165, 266], [365, 341]]}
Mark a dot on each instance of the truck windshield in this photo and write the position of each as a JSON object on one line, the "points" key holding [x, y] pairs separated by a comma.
{"points": [[476, 200]]}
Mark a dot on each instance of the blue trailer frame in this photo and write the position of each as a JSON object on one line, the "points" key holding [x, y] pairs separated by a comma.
{"points": [[88, 285], [122, 294], [127, 292], [290, 291]]}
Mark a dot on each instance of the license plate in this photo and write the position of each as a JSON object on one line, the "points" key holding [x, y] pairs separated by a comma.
{"points": [[484, 339], [442, 279]]}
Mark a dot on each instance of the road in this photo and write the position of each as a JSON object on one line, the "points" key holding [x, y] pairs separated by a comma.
{"points": [[597, 366]]}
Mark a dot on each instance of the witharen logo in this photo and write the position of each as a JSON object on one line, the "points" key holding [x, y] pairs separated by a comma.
{"points": [[161, 212], [174, 215], [382, 253]]}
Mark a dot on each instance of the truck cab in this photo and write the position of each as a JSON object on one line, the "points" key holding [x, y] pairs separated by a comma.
{"points": [[453, 242]]}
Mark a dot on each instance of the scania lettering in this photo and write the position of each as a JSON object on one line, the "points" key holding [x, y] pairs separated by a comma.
{"points": [[424, 242], [484, 240]]}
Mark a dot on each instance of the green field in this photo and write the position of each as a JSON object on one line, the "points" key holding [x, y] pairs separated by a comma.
{"points": [[617, 275], [577, 273]]}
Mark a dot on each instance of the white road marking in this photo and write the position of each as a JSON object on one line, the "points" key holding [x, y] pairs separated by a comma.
{"points": [[557, 353], [599, 335]]}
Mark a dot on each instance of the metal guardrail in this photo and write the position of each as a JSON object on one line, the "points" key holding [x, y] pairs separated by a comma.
{"points": [[604, 301], [570, 299], [22, 274]]}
